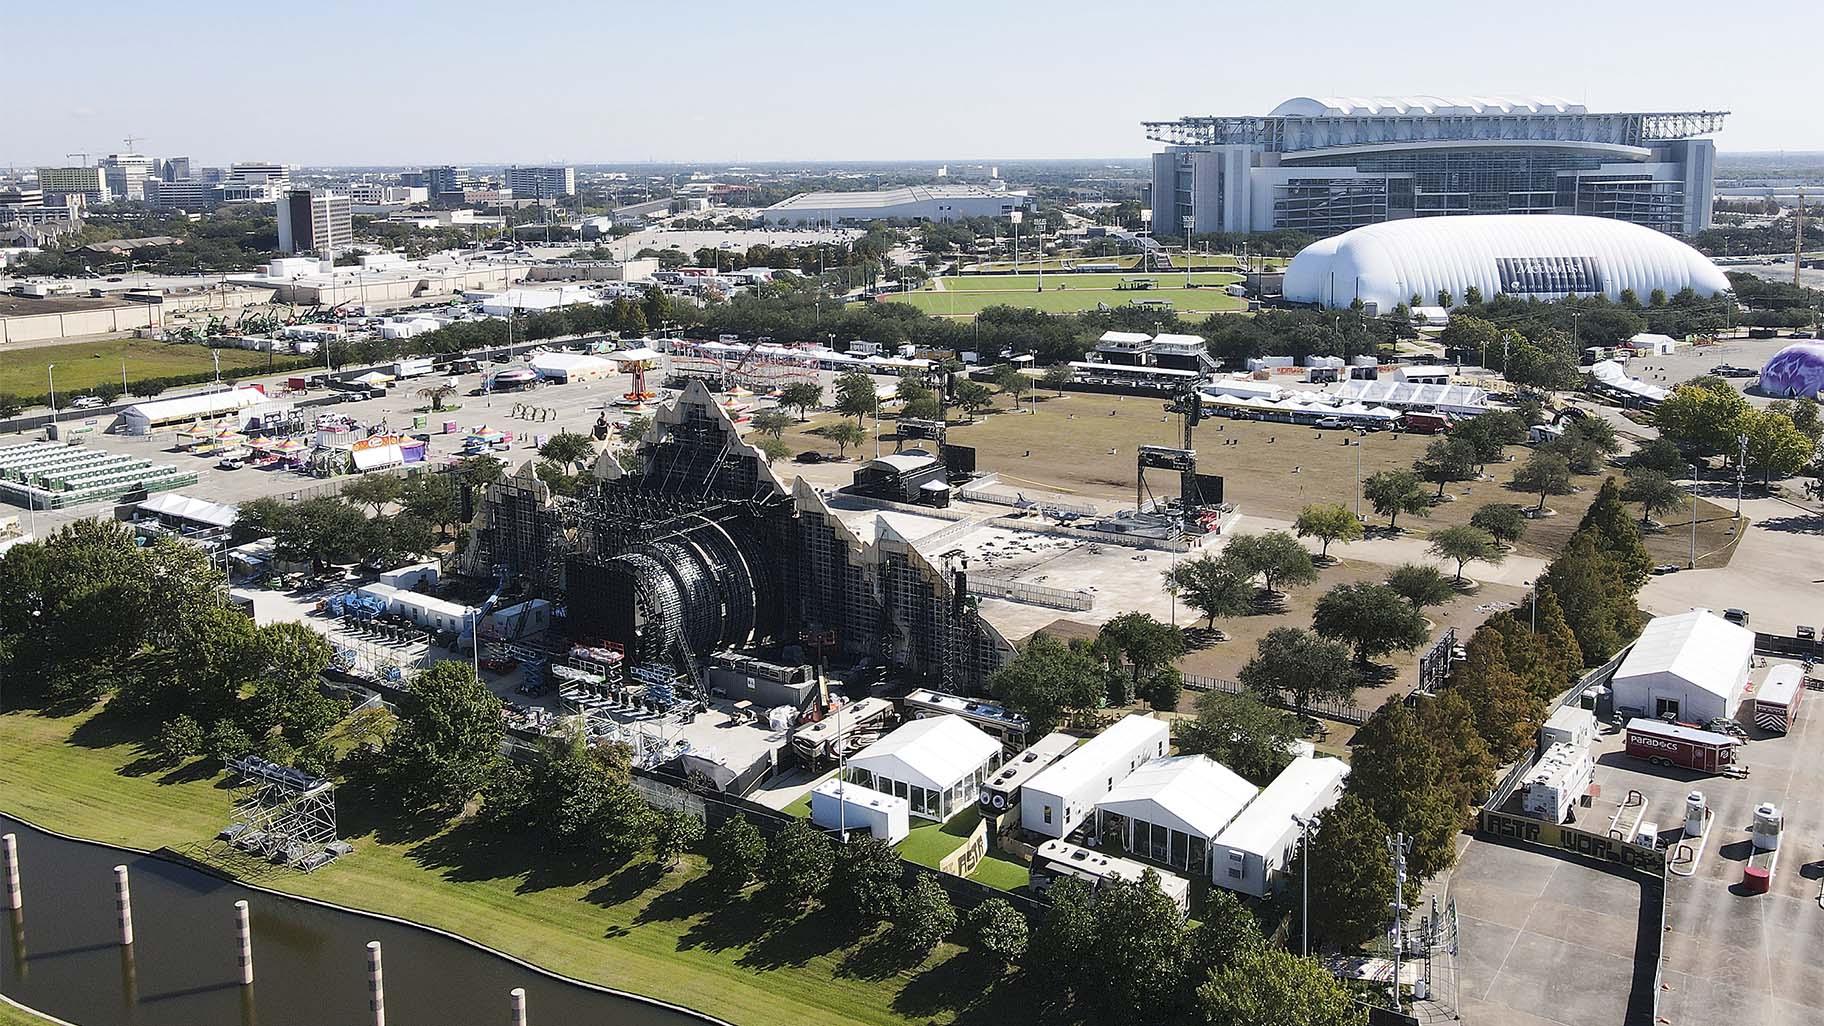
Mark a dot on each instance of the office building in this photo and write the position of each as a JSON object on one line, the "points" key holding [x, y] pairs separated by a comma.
{"points": [[1331, 164], [446, 179], [181, 194], [126, 174], [907, 203], [1539, 256], [542, 183], [259, 172], [176, 169], [90, 183], [313, 221]]}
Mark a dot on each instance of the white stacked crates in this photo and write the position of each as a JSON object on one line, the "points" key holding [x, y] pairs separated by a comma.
{"points": [[1561, 777]]}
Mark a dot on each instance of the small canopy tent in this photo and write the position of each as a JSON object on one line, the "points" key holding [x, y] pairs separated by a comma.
{"points": [[937, 763]]}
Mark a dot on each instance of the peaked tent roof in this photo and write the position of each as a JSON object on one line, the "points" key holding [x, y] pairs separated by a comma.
{"points": [[1200, 794], [935, 752], [1699, 647]]}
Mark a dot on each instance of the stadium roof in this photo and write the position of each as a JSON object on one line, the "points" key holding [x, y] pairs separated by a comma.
{"points": [[1543, 256], [1383, 106]]}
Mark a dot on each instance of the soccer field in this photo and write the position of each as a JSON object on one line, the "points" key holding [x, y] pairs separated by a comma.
{"points": [[83, 365], [960, 303], [1030, 282]]}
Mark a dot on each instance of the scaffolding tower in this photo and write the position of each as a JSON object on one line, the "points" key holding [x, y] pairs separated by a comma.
{"points": [[280, 813]]}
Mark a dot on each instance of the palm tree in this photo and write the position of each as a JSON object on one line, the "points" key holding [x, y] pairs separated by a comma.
{"points": [[437, 394]]}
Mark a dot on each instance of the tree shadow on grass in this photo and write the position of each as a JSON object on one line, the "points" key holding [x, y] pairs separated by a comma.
{"points": [[974, 989], [682, 902], [795, 940], [471, 852], [880, 956], [733, 924], [365, 806]]}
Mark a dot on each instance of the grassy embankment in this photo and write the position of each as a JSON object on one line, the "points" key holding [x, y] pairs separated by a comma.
{"points": [[83, 365], [631, 927]]}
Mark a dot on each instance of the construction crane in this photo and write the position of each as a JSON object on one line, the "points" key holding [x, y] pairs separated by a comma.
{"points": [[84, 156], [131, 139]]}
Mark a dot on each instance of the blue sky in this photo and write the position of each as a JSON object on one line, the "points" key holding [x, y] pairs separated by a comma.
{"points": [[398, 83]]}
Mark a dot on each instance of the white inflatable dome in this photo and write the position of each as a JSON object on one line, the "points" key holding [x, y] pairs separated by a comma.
{"points": [[1548, 256]]}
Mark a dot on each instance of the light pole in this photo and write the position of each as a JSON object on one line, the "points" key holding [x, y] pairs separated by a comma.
{"points": [[1358, 477], [1533, 600], [49, 368], [1692, 565], [1741, 471], [1013, 218], [1146, 235], [1305, 823], [1189, 223]]}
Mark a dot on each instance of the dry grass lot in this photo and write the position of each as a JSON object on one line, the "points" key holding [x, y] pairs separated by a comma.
{"points": [[83, 365]]}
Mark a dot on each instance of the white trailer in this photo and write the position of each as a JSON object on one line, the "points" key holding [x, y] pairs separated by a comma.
{"points": [[1056, 859], [1253, 850], [412, 367], [1058, 801], [1570, 725], [1562, 776], [837, 804]]}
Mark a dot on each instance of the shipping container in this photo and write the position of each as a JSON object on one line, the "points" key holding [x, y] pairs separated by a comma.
{"points": [[1670, 744]]}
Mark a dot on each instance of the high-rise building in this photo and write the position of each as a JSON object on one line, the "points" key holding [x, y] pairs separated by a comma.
{"points": [[541, 183], [127, 173], [90, 183], [1331, 164], [176, 169], [314, 221], [445, 179], [182, 194], [256, 172]]}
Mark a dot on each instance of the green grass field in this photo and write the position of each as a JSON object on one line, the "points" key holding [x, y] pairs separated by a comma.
{"points": [[1072, 282], [10, 1016], [631, 927], [1072, 300], [1220, 260], [82, 365]]}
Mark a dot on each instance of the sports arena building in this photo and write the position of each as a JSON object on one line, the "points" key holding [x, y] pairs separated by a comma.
{"points": [[1544, 256], [1335, 163]]}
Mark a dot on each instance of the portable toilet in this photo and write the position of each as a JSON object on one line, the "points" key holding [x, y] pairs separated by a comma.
{"points": [[1767, 825], [1696, 811]]}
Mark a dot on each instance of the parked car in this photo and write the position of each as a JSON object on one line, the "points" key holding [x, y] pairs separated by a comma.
{"points": [[87, 402], [1739, 617], [809, 456], [1723, 370], [231, 463], [506, 665], [1330, 422], [1667, 568]]}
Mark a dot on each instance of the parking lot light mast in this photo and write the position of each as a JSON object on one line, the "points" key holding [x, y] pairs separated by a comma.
{"points": [[1692, 565]]}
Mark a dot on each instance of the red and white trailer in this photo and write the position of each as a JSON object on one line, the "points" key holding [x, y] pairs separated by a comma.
{"points": [[1672, 744], [1776, 701]]}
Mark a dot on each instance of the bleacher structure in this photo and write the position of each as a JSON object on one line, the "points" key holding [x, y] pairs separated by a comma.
{"points": [[282, 814], [703, 550], [52, 475], [762, 369]]}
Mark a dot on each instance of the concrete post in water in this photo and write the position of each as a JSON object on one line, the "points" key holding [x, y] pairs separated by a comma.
{"points": [[17, 921], [123, 904], [376, 987], [9, 853], [243, 935], [518, 996]]}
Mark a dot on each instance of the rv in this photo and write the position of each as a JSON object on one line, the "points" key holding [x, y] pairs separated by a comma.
{"points": [[1056, 859], [847, 727]]}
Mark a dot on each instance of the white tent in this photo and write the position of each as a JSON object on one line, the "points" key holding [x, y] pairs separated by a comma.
{"points": [[1693, 665], [568, 367], [1610, 374], [937, 763], [1170, 809], [143, 417]]}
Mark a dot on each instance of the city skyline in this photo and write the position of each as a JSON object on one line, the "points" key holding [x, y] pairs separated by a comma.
{"points": [[744, 85]]}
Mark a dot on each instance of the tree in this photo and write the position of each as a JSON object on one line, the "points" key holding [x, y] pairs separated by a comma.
{"points": [[774, 449], [771, 422], [1504, 520], [1804, 416], [1655, 492], [1547, 360], [856, 395], [799, 859], [1506, 714], [180, 738], [1421, 584], [1617, 534], [845, 435], [801, 396], [478, 472], [1047, 680], [284, 663], [1662, 456], [973, 397], [1465, 543], [319, 531], [998, 929], [1446, 459], [375, 490], [1373, 618], [1138, 951], [1240, 732], [1776, 447], [736, 851], [1162, 689], [1276, 557], [1490, 434], [925, 916], [1140, 641], [437, 394], [1061, 948], [1392, 492], [1702, 416], [1594, 591], [1545, 472], [1273, 987], [1397, 771], [867, 876], [1295, 662], [673, 832], [448, 737], [1466, 768], [1351, 876], [1055, 378], [1212, 586], [1328, 522], [568, 449], [431, 498]]}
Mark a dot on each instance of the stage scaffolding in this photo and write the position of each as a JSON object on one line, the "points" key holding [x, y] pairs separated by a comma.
{"points": [[282, 814]]}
